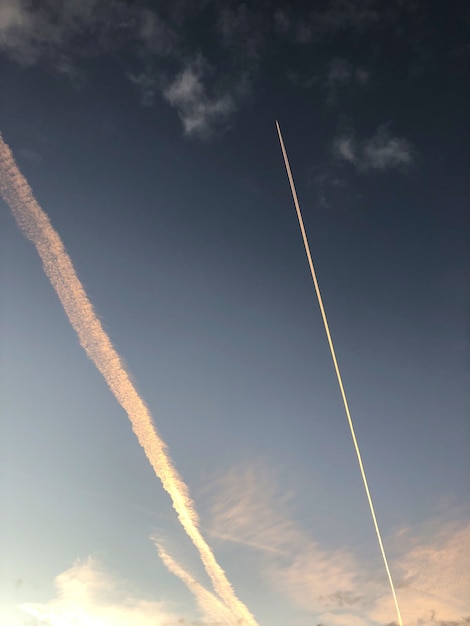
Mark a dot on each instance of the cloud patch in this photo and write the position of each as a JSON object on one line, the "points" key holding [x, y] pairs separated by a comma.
{"points": [[201, 113], [381, 152], [293, 563], [334, 585]]}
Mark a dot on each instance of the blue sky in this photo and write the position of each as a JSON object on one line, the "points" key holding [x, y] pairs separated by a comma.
{"points": [[147, 134]]}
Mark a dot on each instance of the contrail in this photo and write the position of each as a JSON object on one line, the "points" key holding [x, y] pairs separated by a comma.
{"points": [[209, 604], [58, 267], [338, 375]]}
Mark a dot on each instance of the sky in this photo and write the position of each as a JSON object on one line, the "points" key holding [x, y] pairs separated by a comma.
{"points": [[147, 133]]}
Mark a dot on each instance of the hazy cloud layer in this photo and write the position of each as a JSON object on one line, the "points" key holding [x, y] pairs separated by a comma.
{"points": [[430, 568], [380, 152]]}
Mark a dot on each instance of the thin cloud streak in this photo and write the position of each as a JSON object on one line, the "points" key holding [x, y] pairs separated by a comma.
{"points": [[263, 547], [58, 267], [211, 607]]}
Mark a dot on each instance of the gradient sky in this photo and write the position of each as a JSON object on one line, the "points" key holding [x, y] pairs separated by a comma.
{"points": [[147, 132]]}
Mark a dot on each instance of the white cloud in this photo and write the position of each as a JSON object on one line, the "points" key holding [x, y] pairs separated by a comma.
{"points": [[199, 112], [88, 595], [380, 152]]}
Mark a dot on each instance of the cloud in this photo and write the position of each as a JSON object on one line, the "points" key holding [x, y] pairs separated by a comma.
{"points": [[29, 31], [435, 577], [155, 34], [59, 32], [147, 85], [380, 152], [336, 586], [341, 72], [200, 113], [292, 562], [340, 75], [86, 594]]}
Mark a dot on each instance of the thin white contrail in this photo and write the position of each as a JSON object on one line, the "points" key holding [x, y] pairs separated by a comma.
{"points": [[213, 609], [338, 375], [59, 269]]}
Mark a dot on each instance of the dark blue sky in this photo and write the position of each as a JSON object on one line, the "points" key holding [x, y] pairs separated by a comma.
{"points": [[147, 133]]}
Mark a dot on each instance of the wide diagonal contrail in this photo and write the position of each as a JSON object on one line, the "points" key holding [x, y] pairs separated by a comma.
{"points": [[338, 374], [58, 267]]}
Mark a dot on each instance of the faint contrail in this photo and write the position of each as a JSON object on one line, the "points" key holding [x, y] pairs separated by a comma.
{"points": [[338, 375], [59, 269], [209, 604]]}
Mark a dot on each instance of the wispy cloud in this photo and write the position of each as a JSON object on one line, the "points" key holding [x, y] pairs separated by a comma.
{"points": [[336, 585], [147, 84], [380, 152], [291, 561], [342, 73], [29, 32], [201, 113], [333, 16], [86, 594], [435, 577]]}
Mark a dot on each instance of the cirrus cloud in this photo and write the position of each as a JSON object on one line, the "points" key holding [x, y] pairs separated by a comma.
{"points": [[336, 586]]}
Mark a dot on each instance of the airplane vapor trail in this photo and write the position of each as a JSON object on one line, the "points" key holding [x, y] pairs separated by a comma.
{"points": [[338, 374], [35, 225], [209, 604]]}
